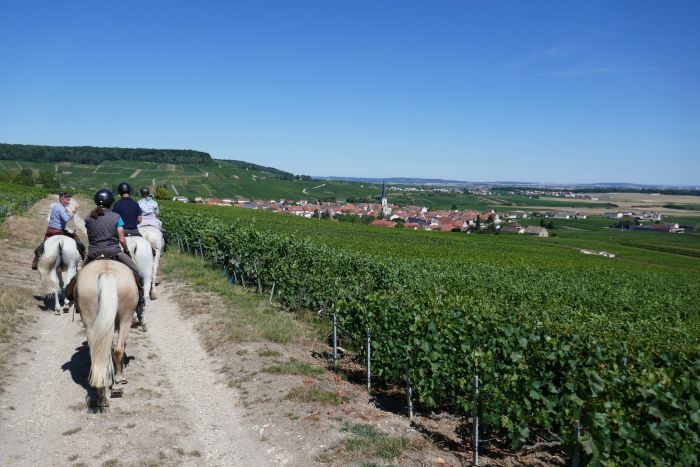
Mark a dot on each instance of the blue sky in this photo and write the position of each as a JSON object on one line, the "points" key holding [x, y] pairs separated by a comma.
{"points": [[589, 91]]}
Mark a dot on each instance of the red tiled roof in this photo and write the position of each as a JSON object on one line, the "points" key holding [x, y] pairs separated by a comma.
{"points": [[383, 223]]}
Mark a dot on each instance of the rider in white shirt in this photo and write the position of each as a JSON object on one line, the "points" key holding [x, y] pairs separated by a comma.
{"points": [[150, 212]]}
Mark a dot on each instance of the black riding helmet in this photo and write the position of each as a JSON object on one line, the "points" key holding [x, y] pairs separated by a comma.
{"points": [[145, 191], [104, 198], [124, 188]]}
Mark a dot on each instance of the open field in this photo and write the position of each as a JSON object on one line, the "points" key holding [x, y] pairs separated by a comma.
{"points": [[639, 202]]}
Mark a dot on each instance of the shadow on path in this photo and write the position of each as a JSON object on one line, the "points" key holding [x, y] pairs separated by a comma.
{"points": [[79, 366]]}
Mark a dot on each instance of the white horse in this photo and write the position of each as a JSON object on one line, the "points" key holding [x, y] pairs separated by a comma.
{"points": [[155, 238], [60, 256], [142, 254]]}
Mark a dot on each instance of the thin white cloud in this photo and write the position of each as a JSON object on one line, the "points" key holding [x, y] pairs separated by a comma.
{"points": [[588, 72], [557, 52]]}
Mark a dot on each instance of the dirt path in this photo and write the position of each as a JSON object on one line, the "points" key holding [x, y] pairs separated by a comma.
{"points": [[175, 411], [135, 174], [312, 188]]}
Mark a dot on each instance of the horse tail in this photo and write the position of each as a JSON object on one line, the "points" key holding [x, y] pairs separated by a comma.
{"points": [[45, 265], [102, 368]]}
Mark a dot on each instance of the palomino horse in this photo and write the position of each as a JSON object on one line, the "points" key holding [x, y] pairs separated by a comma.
{"points": [[142, 254], [155, 238], [60, 256], [106, 296]]}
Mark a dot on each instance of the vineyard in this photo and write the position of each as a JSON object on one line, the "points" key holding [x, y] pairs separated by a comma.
{"points": [[614, 349], [555, 253], [16, 198]]}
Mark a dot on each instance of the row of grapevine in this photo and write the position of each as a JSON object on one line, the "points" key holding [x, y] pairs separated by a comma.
{"points": [[620, 355], [17, 198]]}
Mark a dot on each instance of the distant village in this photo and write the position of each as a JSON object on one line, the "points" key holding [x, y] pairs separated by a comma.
{"points": [[388, 215]]}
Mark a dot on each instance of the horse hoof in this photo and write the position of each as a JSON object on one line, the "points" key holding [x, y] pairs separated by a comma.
{"points": [[117, 392], [57, 312], [143, 327]]}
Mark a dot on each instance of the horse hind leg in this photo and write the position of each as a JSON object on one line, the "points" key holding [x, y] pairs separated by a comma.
{"points": [[119, 351], [102, 401], [96, 400], [142, 315], [57, 310], [57, 289], [152, 293], [156, 264]]}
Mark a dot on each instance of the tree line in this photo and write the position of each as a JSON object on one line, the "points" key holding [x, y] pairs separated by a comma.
{"points": [[97, 155], [249, 165]]}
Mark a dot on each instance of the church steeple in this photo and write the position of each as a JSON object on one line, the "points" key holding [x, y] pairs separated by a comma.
{"points": [[385, 205]]}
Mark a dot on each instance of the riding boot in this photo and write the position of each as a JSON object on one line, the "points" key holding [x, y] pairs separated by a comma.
{"points": [[142, 299], [37, 254], [165, 240], [70, 289]]}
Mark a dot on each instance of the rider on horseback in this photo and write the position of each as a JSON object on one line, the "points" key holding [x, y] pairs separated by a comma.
{"points": [[150, 212], [105, 230], [58, 218], [129, 210]]}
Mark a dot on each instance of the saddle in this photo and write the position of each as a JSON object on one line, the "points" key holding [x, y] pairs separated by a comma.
{"points": [[132, 233], [96, 256]]}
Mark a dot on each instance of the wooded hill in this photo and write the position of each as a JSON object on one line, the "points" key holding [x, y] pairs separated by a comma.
{"points": [[95, 155]]}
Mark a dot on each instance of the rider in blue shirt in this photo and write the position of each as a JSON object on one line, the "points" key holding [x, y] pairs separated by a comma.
{"points": [[58, 218], [129, 210]]}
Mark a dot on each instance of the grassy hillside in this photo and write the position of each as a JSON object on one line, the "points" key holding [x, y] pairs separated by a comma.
{"points": [[219, 178]]}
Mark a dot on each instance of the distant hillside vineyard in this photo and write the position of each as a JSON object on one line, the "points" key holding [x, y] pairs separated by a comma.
{"points": [[95, 155]]}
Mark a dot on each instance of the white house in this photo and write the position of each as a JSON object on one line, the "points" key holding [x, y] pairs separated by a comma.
{"points": [[535, 230]]}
